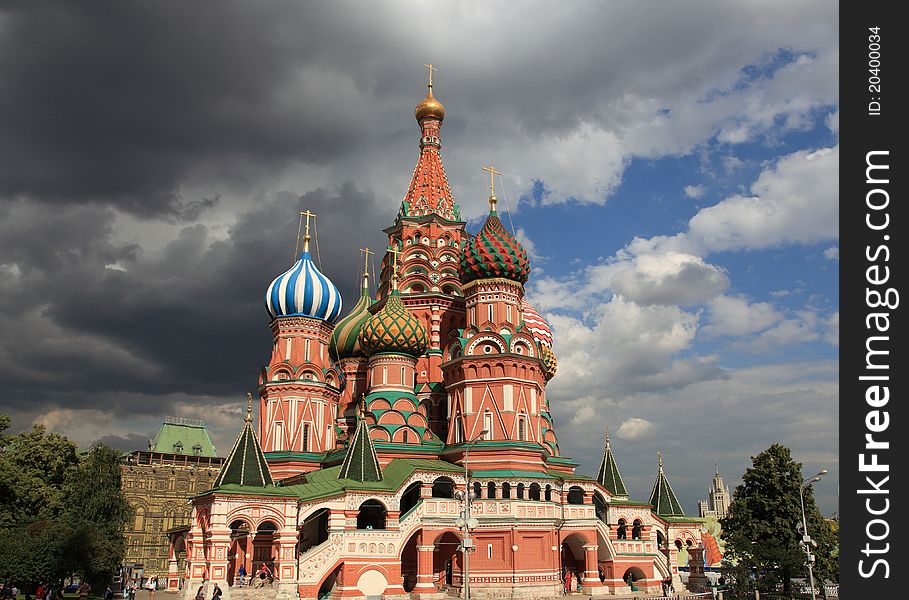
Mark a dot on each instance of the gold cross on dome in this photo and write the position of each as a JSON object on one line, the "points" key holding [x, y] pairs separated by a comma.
{"points": [[307, 214], [394, 253], [430, 69], [492, 178], [366, 252]]}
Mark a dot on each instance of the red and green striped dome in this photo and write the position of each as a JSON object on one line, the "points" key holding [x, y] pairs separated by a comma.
{"points": [[494, 252], [394, 330]]}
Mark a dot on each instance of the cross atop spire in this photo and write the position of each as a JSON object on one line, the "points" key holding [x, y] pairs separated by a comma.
{"points": [[366, 252], [394, 266], [430, 69], [492, 186], [307, 214], [248, 407], [660, 460]]}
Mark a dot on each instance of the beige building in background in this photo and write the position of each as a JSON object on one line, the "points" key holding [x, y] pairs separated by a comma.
{"points": [[717, 503], [180, 462]]}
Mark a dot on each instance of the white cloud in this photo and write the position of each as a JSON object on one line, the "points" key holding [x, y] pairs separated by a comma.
{"points": [[735, 316], [634, 429], [668, 278], [695, 191], [832, 253]]}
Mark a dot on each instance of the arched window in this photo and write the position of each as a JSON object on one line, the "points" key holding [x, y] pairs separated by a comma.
{"points": [[636, 529], [599, 506], [443, 487], [520, 491], [506, 490], [491, 489], [548, 495], [372, 515], [621, 530], [139, 523], [678, 544], [411, 496], [575, 495], [477, 489], [661, 539], [534, 491]]}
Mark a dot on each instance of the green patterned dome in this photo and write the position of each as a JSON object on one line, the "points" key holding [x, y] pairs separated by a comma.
{"points": [[345, 340], [494, 252], [394, 330], [550, 365]]}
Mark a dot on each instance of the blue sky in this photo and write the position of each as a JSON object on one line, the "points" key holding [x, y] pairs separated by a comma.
{"points": [[673, 173]]}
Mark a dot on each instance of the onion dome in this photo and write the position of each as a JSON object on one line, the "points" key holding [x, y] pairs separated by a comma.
{"points": [[550, 365], [536, 324], [429, 108], [303, 291], [494, 252], [345, 339], [394, 330]]}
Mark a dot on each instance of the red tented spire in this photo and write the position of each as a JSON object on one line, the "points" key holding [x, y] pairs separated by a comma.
{"points": [[429, 192]]}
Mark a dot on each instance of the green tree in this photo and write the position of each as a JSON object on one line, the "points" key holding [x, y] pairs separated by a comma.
{"points": [[98, 512], [60, 513], [761, 527]]}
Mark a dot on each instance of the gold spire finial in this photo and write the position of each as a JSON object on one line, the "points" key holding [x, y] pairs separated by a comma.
{"points": [[366, 252], [306, 238], [430, 69], [492, 186], [248, 407], [660, 459], [607, 436], [394, 266]]}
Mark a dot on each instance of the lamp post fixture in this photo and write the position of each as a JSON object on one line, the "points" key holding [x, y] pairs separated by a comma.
{"points": [[807, 543], [467, 495]]}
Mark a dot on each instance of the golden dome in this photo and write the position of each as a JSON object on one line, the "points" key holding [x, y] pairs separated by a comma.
{"points": [[429, 108]]}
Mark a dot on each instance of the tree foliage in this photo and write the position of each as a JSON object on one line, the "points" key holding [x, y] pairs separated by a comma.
{"points": [[61, 513], [761, 527]]}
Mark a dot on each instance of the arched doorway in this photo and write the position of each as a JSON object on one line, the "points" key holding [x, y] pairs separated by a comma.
{"points": [[446, 562], [634, 578], [409, 562], [599, 507], [263, 551], [575, 495], [372, 515], [237, 555], [573, 561], [328, 585]]}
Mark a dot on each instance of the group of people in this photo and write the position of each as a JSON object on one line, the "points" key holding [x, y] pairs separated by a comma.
{"points": [[668, 588], [263, 576]]}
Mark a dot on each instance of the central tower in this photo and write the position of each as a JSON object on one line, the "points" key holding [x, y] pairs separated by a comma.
{"points": [[429, 235]]}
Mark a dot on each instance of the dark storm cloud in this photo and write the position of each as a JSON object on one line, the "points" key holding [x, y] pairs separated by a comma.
{"points": [[121, 101], [126, 443], [91, 318]]}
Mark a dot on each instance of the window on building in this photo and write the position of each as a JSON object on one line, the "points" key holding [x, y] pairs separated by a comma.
{"points": [[405, 437], [384, 374], [487, 425], [403, 382], [306, 351], [506, 490], [636, 529], [621, 531], [508, 313], [279, 436], [521, 429], [490, 312], [489, 551], [306, 437]]}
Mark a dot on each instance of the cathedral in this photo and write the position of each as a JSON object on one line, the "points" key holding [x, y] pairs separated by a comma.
{"points": [[408, 449]]}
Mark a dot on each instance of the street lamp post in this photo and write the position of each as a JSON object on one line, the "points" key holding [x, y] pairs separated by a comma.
{"points": [[807, 542], [468, 496]]}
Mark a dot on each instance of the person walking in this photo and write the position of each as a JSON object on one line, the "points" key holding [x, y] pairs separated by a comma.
{"points": [[108, 593], [241, 574], [216, 593], [200, 595]]}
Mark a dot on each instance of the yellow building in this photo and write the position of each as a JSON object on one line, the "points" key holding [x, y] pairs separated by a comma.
{"points": [[180, 462]]}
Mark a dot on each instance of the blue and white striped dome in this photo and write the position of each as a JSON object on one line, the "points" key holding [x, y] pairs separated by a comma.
{"points": [[303, 291]]}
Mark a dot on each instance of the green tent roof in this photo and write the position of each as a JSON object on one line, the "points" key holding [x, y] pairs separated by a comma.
{"points": [[360, 462], [246, 464], [609, 475], [662, 498], [183, 436]]}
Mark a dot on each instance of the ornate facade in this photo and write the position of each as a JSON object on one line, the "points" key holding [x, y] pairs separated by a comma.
{"points": [[418, 428], [158, 483]]}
